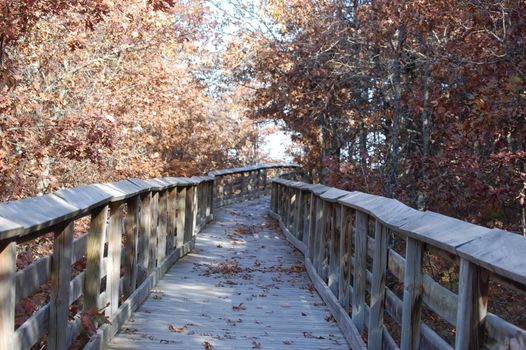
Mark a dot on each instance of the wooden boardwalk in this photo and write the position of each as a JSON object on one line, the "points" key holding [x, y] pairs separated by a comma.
{"points": [[244, 287]]}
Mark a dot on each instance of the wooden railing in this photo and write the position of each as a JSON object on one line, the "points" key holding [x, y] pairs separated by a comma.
{"points": [[368, 256], [233, 185], [137, 230]]}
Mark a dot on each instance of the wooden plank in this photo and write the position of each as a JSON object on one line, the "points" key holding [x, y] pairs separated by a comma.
{"points": [[7, 294], [59, 295], [359, 271], [145, 227], [131, 231], [472, 306], [190, 213], [412, 303], [46, 211], [376, 312], [345, 258], [334, 249], [181, 216], [163, 227], [84, 197], [154, 231], [114, 256], [171, 208], [94, 256], [299, 215], [500, 252]]}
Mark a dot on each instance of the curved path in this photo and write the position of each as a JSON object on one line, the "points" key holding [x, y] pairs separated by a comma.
{"points": [[244, 287]]}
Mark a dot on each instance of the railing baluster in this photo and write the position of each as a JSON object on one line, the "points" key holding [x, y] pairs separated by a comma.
{"points": [[144, 235], [334, 249], [171, 210], [413, 291], [154, 231], [94, 255], [360, 274], [59, 296], [114, 256], [181, 216], [7, 294], [376, 313], [472, 306], [345, 258], [163, 227], [132, 242]]}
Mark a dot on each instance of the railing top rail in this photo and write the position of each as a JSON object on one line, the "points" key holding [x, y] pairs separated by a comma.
{"points": [[223, 172], [38, 214], [496, 250]]}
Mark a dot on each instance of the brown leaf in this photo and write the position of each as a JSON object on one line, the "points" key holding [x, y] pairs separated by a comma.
{"points": [[173, 328], [240, 307]]}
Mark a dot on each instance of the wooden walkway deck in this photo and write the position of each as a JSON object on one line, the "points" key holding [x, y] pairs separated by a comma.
{"points": [[244, 287]]}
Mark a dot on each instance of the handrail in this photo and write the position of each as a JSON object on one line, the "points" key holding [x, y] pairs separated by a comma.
{"points": [[138, 230], [340, 232]]}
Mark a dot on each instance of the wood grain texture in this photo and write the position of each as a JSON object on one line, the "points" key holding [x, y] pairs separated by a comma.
{"points": [[7, 294], [412, 303], [234, 311], [59, 296], [472, 307], [94, 256], [359, 271]]}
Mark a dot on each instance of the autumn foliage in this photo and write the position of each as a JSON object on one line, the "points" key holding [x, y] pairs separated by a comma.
{"points": [[101, 90], [420, 100]]}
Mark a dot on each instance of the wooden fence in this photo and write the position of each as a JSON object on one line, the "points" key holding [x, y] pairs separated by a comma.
{"points": [[137, 230], [368, 258], [233, 185]]}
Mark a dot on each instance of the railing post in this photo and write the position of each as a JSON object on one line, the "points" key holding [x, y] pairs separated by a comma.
{"points": [[323, 233], [59, 297], [265, 180], [7, 294], [132, 239], [154, 231], [210, 208], [345, 258], [472, 306], [163, 227], [413, 291], [94, 255], [181, 216], [114, 256], [299, 214], [376, 313], [144, 235], [191, 212], [171, 210], [220, 195], [360, 274], [334, 249]]}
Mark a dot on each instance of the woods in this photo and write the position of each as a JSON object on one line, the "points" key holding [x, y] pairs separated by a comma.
{"points": [[420, 100], [102, 90]]}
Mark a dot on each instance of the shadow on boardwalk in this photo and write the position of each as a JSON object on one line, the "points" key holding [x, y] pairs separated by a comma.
{"points": [[244, 287]]}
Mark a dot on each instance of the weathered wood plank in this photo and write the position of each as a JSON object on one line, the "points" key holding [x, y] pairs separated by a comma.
{"points": [[334, 249], [359, 268], [376, 313], [59, 295], [94, 256], [114, 256], [345, 258], [181, 216], [163, 227], [131, 231], [498, 251], [472, 307], [7, 294], [412, 303], [145, 227]]}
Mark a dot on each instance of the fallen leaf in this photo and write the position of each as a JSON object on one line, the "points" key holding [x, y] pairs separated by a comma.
{"points": [[207, 346], [173, 328], [240, 307]]}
